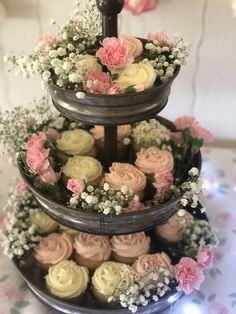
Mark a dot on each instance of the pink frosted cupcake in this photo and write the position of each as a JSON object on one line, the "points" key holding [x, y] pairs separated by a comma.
{"points": [[151, 262], [154, 159], [91, 250], [123, 131], [126, 174], [53, 249], [127, 248]]}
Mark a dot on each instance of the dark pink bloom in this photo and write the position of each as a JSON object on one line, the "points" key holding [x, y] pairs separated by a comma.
{"points": [[134, 207], [139, 6], [21, 187], [164, 181], [75, 186], [115, 53], [97, 82], [37, 160], [161, 38], [205, 257], [52, 135], [44, 43], [37, 141], [49, 176], [115, 90], [188, 274]]}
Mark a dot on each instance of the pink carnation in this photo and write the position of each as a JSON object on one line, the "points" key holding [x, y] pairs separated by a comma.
{"points": [[134, 207], [188, 274], [139, 6], [75, 186], [115, 90], [115, 53], [52, 135], [37, 141], [50, 176], [164, 181], [161, 38], [21, 187], [196, 130], [37, 160], [205, 257], [97, 82], [44, 43]]}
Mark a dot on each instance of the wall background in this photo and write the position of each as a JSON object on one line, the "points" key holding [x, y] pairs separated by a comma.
{"points": [[206, 87]]}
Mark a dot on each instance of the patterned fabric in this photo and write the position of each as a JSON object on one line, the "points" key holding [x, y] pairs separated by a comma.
{"points": [[218, 292]]}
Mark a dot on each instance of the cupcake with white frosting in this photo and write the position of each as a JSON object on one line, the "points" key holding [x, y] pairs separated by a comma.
{"points": [[44, 224]]}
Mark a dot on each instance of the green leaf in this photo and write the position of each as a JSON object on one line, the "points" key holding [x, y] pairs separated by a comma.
{"points": [[233, 303], [233, 295], [130, 89], [21, 304], [200, 296], [212, 273], [212, 297], [222, 241], [196, 301], [234, 231], [4, 278], [14, 311], [218, 271]]}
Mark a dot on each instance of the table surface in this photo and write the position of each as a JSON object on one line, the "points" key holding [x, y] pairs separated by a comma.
{"points": [[218, 292]]}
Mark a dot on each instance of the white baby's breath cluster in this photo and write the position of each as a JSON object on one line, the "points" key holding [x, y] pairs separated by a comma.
{"points": [[151, 287], [165, 59], [151, 133], [20, 235], [103, 200]]}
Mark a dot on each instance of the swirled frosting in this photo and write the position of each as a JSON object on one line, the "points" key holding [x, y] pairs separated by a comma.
{"points": [[67, 280], [108, 276], [75, 142], [82, 167], [171, 230], [42, 221], [54, 249], [151, 262], [152, 159], [131, 245], [122, 131], [125, 174], [92, 247], [135, 45]]}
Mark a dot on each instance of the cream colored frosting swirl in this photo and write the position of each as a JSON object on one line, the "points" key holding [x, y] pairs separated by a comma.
{"points": [[92, 247], [122, 132], [71, 232], [151, 262], [75, 142], [125, 174], [135, 45], [82, 167], [109, 275], [171, 230], [131, 245], [42, 221], [152, 159], [67, 280], [54, 248], [135, 74]]}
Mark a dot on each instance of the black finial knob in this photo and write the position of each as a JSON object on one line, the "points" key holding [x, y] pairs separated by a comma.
{"points": [[110, 7]]}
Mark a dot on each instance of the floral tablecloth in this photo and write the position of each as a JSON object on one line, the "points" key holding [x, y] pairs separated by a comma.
{"points": [[218, 292]]}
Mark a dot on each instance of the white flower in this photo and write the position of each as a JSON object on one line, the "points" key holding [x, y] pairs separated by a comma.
{"points": [[61, 51], [193, 172], [106, 187], [133, 308], [80, 95], [126, 141], [124, 189], [106, 210]]}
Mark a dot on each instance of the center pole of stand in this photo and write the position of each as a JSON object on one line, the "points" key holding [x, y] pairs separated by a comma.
{"points": [[110, 10]]}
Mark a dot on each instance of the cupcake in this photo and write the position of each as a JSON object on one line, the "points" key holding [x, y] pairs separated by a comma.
{"points": [[151, 262], [53, 249], [44, 224], [127, 248], [67, 280], [83, 167], [69, 231], [154, 159], [123, 131], [75, 142], [107, 279], [91, 250], [126, 174], [171, 231]]}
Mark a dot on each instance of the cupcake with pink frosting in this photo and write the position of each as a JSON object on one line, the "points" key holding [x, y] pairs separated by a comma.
{"points": [[126, 174], [151, 263], [53, 249], [127, 248], [91, 250], [171, 231], [123, 131]]}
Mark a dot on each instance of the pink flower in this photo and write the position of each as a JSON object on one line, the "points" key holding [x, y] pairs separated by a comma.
{"points": [[52, 135], [21, 187], [8, 293], [75, 186], [188, 274], [37, 141], [44, 43], [37, 160], [196, 130], [164, 181], [97, 82], [205, 257], [115, 90], [161, 38], [49, 176], [177, 137], [139, 87], [140, 6], [134, 207], [115, 53], [217, 308]]}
